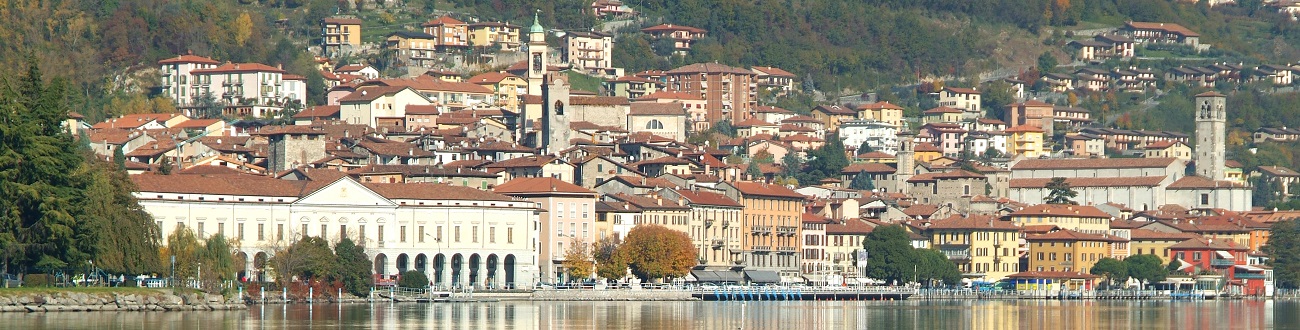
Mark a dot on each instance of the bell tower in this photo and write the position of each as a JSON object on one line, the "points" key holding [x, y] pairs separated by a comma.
{"points": [[904, 160], [1211, 127], [537, 50], [555, 119]]}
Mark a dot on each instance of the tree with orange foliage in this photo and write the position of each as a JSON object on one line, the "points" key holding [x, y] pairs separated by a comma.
{"points": [[654, 252]]}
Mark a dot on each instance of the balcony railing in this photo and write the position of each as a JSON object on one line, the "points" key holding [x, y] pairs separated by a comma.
{"points": [[785, 249], [1222, 262], [718, 242], [726, 223], [762, 230], [1248, 276], [762, 248]]}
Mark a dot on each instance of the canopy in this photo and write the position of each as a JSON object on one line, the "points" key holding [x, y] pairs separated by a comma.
{"points": [[1250, 268], [729, 276], [1224, 254], [762, 276], [704, 276]]}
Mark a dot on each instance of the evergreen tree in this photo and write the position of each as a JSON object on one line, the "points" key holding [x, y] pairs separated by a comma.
{"points": [[1059, 192], [861, 181], [119, 158], [791, 165], [753, 171], [827, 161], [165, 165], [891, 255], [353, 266], [1284, 249]]}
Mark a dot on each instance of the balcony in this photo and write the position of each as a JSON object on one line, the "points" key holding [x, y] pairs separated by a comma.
{"points": [[787, 230], [762, 248], [1248, 276], [718, 242], [765, 230], [1222, 262], [726, 224], [785, 249]]}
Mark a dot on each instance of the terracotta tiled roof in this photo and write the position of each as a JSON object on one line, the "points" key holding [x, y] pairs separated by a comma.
{"points": [[1024, 129], [873, 168], [188, 59], [921, 210], [1201, 243], [370, 93], [769, 109], [771, 71], [672, 27], [444, 20], [644, 182], [197, 123], [290, 129], [421, 171], [434, 191], [938, 110], [649, 203], [707, 198], [1142, 181], [1163, 27], [238, 67], [763, 189], [527, 186], [530, 161], [975, 222], [320, 111], [961, 90], [1138, 234], [927, 147], [606, 207], [850, 227], [933, 176], [242, 185], [427, 83], [491, 78], [1070, 235], [1278, 171], [341, 21], [665, 160], [598, 100], [1198, 182], [1062, 210], [1092, 163], [1053, 275], [880, 105]]}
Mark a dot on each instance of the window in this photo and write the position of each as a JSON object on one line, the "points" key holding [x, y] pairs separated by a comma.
{"points": [[361, 233], [438, 238], [584, 210], [654, 124], [402, 236], [200, 230], [510, 235], [559, 210], [221, 229], [419, 234], [473, 234], [492, 234], [260, 232], [1205, 199], [279, 231], [457, 237], [303, 234], [323, 230], [343, 230]]}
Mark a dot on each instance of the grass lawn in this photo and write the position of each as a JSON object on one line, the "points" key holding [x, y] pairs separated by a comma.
{"points": [[85, 290], [579, 81]]}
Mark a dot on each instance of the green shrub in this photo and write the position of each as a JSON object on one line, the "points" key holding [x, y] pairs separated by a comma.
{"points": [[38, 280], [413, 279]]}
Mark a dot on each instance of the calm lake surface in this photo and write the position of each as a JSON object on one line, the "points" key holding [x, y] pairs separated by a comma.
{"points": [[1004, 314]]}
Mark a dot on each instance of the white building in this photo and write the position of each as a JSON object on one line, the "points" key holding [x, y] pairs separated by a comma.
{"points": [[458, 236], [178, 81], [245, 84], [881, 136]]}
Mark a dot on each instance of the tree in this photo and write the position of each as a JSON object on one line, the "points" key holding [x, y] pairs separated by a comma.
{"points": [[127, 237], [865, 147], [1173, 266], [119, 159], [890, 254], [753, 171], [165, 165], [353, 266], [218, 261], [187, 251], [932, 266], [242, 29], [308, 258], [608, 266], [791, 165], [1146, 268], [654, 252], [577, 262], [861, 181], [1059, 192], [1112, 269], [413, 279], [1284, 249], [1046, 62], [724, 127], [827, 161]]}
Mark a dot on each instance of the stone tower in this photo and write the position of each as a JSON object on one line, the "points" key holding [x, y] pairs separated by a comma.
{"points": [[1211, 127], [904, 159], [555, 120], [537, 50], [292, 146]]}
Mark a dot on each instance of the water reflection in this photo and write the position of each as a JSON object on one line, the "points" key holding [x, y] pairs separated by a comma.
{"points": [[1010, 314]]}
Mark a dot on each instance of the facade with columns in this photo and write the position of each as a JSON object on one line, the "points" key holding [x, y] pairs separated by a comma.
{"points": [[458, 236]]}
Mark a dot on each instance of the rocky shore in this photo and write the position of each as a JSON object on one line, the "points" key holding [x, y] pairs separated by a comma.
{"points": [[93, 302]]}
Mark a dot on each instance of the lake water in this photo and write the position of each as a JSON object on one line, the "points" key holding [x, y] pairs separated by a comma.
{"points": [[1003, 314]]}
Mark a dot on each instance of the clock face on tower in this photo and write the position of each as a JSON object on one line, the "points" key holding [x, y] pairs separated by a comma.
{"points": [[537, 62]]}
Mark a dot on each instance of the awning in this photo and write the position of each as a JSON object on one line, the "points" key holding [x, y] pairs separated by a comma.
{"points": [[729, 276], [762, 276], [704, 276], [1250, 268], [1224, 254]]}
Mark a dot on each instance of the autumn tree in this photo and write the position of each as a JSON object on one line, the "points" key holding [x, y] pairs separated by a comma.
{"points": [[655, 252], [186, 250], [308, 258], [577, 262], [218, 261], [608, 265]]}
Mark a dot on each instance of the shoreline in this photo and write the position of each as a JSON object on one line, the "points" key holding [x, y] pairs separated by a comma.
{"points": [[54, 300]]}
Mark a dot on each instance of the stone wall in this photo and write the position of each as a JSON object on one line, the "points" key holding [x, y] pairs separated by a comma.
{"points": [[612, 295], [81, 302]]}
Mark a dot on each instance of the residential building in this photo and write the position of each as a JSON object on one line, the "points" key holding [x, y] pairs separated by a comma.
{"points": [[449, 33], [816, 263], [844, 246], [632, 87], [178, 82], [1157, 243], [771, 230], [611, 9], [831, 115], [1168, 149], [1102, 47], [507, 89], [1025, 140], [340, 35], [1157, 32], [728, 92], [778, 82], [245, 84], [683, 36], [502, 36], [590, 52], [458, 236], [965, 99], [880, 136], [1068, 251], [715, 226], [413, 48], [882, 111], [1081, 218], [661, 119], [371, 105], [567, 219], [982, 246], [1286, 178]]}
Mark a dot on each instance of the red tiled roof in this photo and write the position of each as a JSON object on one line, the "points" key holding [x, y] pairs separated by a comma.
{"points": [[238, 67], [1201, 243], [875, 168], [1138, 234], [709, 68], [707, 198], [656, 109], [320, 111], [921, 210], [670, 96], [540, 186], [772, 71], [1061, 210], [491, 77], [245, 185], [769, 109], [197, 123], [1024, 128], [763, 189], [880, 105], [1163, 27], [1092, 163], [1141, 181], [598, 100], [427, 83], [370, 93], [188, 59], [671, 27], [938, 110], [976, 222], [434, 191], [1070, 235], [850, 227], [341, 20], [961, 90], [444, 20], [1198, 182]]}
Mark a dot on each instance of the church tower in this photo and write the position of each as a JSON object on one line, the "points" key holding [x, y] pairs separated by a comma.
{"points": [[555, 122], [536, 57], [904, 159], [1211, 127]]}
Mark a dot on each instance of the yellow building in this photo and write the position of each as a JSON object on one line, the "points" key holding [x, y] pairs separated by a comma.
{"points": [[1144, 241], [772, 226], [926, 152], [494, 34], [340, 35], [1082, 218], [882, 111], [1068, 251], [506, 87], [1025, 140], [416, 48], [942, 115], [981, 246]]}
